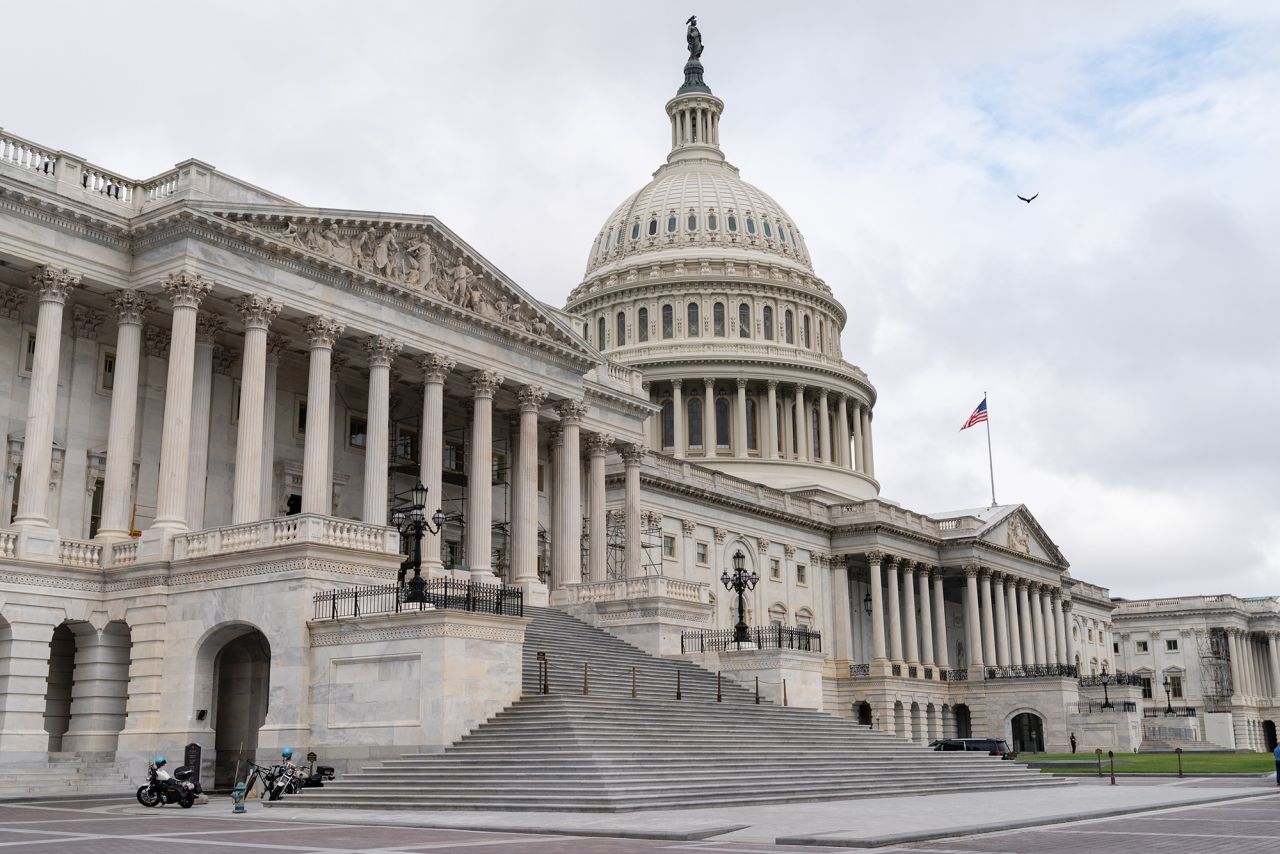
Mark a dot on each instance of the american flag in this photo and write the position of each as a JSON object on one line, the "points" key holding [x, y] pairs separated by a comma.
{"points": [[979, 415]]}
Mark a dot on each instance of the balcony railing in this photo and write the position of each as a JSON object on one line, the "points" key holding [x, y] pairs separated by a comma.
{"points": [[859, 669], [1033, 671], [958, 674], [1095, 708], [764, 637], [287, 530], [447, 593], [1117, 678], [1165, 713]]}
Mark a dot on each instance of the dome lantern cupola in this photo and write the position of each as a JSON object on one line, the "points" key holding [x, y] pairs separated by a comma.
{"points": [[694, 111]]}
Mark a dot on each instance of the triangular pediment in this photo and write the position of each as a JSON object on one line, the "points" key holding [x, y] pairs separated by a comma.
{"points": [[1019, 531], [416, 256]]}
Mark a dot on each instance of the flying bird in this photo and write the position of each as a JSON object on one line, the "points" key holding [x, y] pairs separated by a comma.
{"points": [[1028, 201]]}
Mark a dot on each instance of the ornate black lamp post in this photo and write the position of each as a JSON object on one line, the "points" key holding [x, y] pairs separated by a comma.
{"points": [[866, 604], [1168, 698], [739, 583], [1106, 680], [410, 519]]}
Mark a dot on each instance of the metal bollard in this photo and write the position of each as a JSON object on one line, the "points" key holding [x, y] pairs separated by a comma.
{"points": [[1098, 751], [633, 683], [757, 690], [678, 697], [784, 692], [1111, 754], [584, 678], [718, 695], [1178, 751]]}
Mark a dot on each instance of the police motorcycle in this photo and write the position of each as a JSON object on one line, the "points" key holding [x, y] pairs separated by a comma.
{"points": [[164, 788]]}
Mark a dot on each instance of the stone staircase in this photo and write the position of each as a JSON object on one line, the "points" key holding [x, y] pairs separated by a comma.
{"points": [[63, 775], [607, 751]]}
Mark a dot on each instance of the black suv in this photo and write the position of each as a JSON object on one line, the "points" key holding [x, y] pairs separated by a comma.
{"points": [[990, 746]]}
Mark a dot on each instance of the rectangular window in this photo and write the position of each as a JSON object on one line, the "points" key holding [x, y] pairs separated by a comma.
{"points": [[1171, 645], [357, 430], [1090, 635], [701, 551], [17, 485], [498, 466], [107, 371], [802, 573], [1115, 647], [668, 546], [454, 456], [95, 509], [1146, 687], [299, 417], [1141, 646], [452, 554], [28, 359], [1175, 687], [542, 478], [775, 569], [407, 445]]}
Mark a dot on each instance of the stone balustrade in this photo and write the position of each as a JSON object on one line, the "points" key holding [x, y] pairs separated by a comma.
{"points": [[81, 553], [639, 588], [124, 554], [303, 528], [8, 544]]}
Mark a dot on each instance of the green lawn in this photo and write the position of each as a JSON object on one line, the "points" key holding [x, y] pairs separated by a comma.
{"points": [[1192, 763]]}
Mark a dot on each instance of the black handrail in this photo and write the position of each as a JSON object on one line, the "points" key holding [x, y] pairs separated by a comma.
{"points": [[448, 593], [764, 637]]}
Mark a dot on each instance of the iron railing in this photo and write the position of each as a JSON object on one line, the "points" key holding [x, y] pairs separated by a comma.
{"points": [[1165, 713], [449, 593], [1095, 708], [1032, 671], [859, 669], [764, 637], [957, 674], [1117, 678]]}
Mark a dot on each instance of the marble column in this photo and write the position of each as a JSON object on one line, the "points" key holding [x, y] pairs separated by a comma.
{"points": [[824, 427], [1059, 629], [877, 605], [632, 457], [972, 621], [207, 326], [926, 614], [1050, 639], [912, 649], [42, 401], [257, 312], [868, 452], [479, 546], [435, 368], [1037, 624], [1002, 621], [1234, 655], [988, 627], [940, 651], [895, 611], [842, 624], [859, 459], [1015, 626], [1273, 660], [186, 291], [1068, 637], [117, 489], [382, 352], [771, 440], [598, 447], [681, 436], [322, 333], [741, 433], [555, 471], [271, 506], [842, 424], [524, 498], [709, 417], [1024, 616], [569, 536], [802, 427]]}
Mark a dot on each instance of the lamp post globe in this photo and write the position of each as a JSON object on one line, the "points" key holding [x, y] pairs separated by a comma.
{"points": [[740, 582], [1106, 680]]}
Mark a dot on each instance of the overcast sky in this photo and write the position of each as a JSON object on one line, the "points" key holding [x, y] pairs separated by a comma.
{"points": [[1125, 323]]}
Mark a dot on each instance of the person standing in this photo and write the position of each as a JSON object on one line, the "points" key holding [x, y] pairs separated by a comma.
{"points": [[1073, 744], [1276, 752]]}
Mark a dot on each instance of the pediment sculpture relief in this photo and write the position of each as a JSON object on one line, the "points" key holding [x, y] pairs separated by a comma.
{"points": [[1016, 536], [414, 261]]}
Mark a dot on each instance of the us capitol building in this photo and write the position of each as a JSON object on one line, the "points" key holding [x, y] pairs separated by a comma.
{"points": [[212, 395]]}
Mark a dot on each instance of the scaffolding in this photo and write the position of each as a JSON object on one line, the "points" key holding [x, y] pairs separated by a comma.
{"points": [[616, 549], [1215, 669]]}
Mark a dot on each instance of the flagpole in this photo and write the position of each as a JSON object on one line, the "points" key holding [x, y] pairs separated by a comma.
{"points": [[990, 464]]}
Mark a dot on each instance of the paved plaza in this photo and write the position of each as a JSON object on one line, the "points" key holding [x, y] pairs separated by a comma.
{"points": [[1231, 816]]}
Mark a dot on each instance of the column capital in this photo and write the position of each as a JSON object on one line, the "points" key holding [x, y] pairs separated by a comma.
{"points": [[875, 557], [788, 551], [555, 435], [892, 561], [720, 534], [742, 382], [908, 566], [822, 394], [970, 570], [599, 444], [675, 384], [436, 366], [208, 326], [85, 322], [55, 285], [571, 412], [257, 312], [1035, 587], [772, 385], [985, 572], [709, 382], [484, 384], [186, 290], [224, 359], [762, 545], [276, 344], [799, 388], [11, 302], [1023, 584], [1055, 594], [155, 341], [1067, 605], [688, 526], [382, 350], [131, 306], [531, 398], [322, 332], [927, 570], [632, 455]]}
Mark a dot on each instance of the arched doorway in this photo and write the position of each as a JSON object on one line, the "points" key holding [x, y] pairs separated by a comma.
{"points": [[864, 713], [57, 695], [964, 723], [1269, 734], [1028, 733], [235, 679]]}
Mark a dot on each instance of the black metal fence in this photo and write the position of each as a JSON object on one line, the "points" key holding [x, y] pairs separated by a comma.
{"points": [[1032, 671], [764, 637], [449, 593], [1166, 713], [1117, 678], [1096, 708]]}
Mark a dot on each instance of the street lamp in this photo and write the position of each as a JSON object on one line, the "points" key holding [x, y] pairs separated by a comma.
{"points": [[1168, 698], [740, 582], [410, 519], [1106, 680], [866, 604]]}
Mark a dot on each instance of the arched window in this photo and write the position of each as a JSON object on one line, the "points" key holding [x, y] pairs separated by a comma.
{"points": [[768, 323], [712, 223], [717, 319], [722, 422], [608, 241], [744, 321], [620, 335], [693, 329], [635, 230], [782, 232], [807, 340], [671, 224], [692, 222], [804, 618], [668, 322], [642, 325], [768, 230], [695, 422], [753, 442], [751, 225], [733, 223], [668, 424], [778, 614], [790, 328], [653, 226], [600, 327]]}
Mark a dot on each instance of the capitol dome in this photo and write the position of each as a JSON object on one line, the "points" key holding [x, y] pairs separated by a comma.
{"points": [[704, 283]]}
